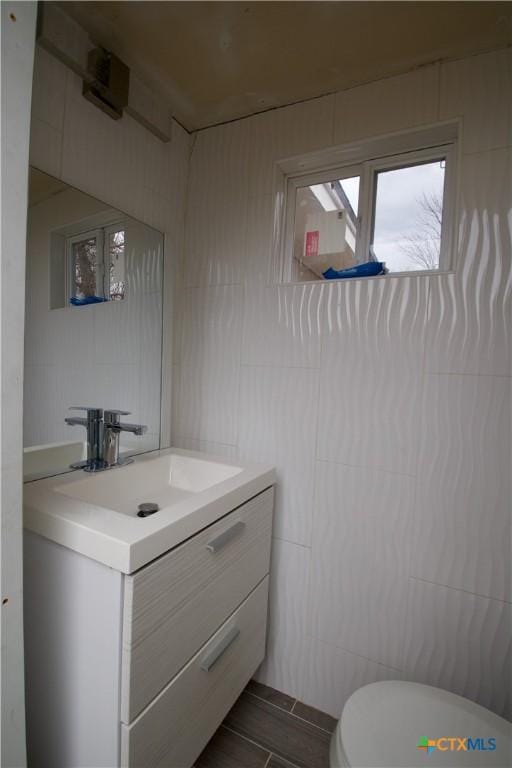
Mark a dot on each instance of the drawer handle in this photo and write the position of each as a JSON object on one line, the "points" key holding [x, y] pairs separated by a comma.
{"points": [[222, 646], [223, 538]]}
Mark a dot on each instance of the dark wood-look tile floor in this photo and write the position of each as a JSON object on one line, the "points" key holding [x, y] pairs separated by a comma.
{"points": [[269, 729]]}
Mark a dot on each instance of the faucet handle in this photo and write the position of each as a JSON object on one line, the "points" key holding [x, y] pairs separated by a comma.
{"points": [[112, 416], [92, 413]]}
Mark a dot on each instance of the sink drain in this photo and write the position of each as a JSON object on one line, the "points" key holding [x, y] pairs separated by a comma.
{"points": [[146, 509]]}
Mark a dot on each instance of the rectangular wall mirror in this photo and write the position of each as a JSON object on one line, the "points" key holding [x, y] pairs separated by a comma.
{"points": [[93, 323]]}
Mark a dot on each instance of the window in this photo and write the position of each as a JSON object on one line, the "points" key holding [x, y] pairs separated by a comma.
{"points": [[96, 265], [325, 229], [408, 216], [384, 214]]}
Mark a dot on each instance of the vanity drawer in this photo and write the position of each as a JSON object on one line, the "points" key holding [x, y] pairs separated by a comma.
{"points": [[176, 727], [173, 605]]}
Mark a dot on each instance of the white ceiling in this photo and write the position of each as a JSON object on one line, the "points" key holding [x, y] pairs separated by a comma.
{"points": [[217, 61]]}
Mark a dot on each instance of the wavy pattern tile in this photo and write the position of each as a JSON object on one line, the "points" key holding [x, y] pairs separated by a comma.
{"points": [[214, 449], [258, 266], [470, 314], [411, 99], [49, 89], [371, 368], [144, 258], [283, 325], [463, 522], [372, 341], [460, 642], [478, 88], [45, 147], [360, 559], [217, 206], [210, 367], [285, 132], [331, 675], [150, 378], [288, 622], [277, 425]]}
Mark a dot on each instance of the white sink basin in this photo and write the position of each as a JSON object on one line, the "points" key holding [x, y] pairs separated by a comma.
{"points": [[96, 514], [165, 480]]}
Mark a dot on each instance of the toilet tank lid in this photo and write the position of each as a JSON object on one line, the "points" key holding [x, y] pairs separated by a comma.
{"points": [[390, 723]]}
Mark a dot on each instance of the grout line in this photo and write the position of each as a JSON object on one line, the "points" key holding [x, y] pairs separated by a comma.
{"points": [[282, 760], [353, 653], [269, 758], [457, 373], [365, 466], [246, 738], [460, 589], [260, 698], [295, 544], [291, 712], [281, 365], [315, 725]]}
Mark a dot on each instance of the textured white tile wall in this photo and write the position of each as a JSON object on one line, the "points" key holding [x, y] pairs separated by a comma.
{"points": [[397, 103], [461, 642], [471, 311], [385, 404], [478, 89], [288, 617], [210, 364], [277, 425], [122, 164], [371, 366], [462, 529], [331, 675], [285, 132], [360, 557]]}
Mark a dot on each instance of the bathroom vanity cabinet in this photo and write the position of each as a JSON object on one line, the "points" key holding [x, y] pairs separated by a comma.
{"points": [[138, 670]]}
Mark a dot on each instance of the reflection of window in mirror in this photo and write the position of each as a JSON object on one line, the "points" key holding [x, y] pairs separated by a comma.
{"points": [[116, 262], [96, 265]]}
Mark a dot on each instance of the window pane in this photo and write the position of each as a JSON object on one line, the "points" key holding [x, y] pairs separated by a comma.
{"points": [[116, 265], [84, 268], [325, 228], [408, 217]]}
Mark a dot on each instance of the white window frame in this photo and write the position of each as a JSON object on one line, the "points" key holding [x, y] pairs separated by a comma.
{"points": [[70, 263], [317, 177], [368, 196], [102, 274], [109, 230], [367, 158]]}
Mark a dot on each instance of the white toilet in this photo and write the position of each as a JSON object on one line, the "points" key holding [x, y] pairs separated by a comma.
{"points": [[390, 725]]}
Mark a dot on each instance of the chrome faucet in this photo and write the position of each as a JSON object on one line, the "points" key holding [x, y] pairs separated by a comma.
{"points": [[93, 423], [112, 428], [103, 430]]}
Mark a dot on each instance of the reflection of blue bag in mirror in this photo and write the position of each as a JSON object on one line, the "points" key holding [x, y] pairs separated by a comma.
{"points": [[369, 269], [86, 300]]}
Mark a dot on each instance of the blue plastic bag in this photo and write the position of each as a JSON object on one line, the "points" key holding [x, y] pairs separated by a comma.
{"points": [[86, 300], [368, 269]]}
